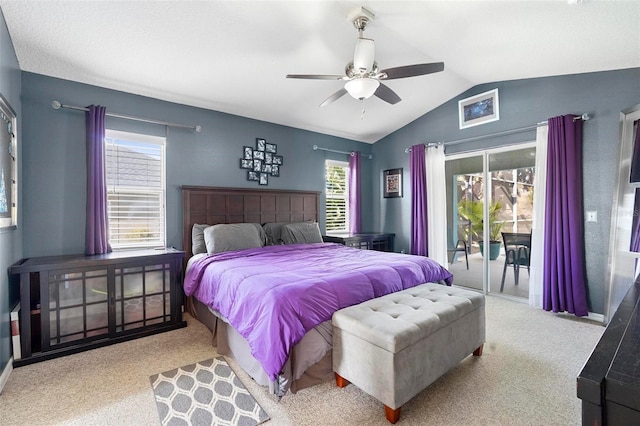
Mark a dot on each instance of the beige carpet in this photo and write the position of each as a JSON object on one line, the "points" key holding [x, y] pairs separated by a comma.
{"points": [[526, 376]]}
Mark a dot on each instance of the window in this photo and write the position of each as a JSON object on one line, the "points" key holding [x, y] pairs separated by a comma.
{"points": [[337, 191], [135, 167]]}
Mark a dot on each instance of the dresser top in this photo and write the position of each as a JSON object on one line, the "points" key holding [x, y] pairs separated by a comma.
{"points": [[80, 260]]}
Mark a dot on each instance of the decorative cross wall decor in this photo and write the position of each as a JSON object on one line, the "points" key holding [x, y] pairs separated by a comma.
{"points": [[261, 161]]}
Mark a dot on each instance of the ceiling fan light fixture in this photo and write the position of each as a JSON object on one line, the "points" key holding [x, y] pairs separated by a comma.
{"points": [[362, 88]]}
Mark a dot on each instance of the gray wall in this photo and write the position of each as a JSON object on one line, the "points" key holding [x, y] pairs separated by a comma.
{"points": [[10, 241], [53, 171], [54, 157], [524, 103]]}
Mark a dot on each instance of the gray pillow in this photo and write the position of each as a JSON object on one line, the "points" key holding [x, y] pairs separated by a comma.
{"points": [[197, 239], [273, 230], [301, 232], [233, 236]]}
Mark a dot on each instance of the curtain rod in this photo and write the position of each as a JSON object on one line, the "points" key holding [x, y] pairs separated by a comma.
{"points": [[583, 117], [58, 105], [316, 148]]}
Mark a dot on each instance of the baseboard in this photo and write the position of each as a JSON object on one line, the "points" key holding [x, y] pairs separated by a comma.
{"points": [[4, 377], [596, 317], [590, 316]]}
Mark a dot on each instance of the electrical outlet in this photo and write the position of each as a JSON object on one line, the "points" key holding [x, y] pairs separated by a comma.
{"points": [[592, 216]]}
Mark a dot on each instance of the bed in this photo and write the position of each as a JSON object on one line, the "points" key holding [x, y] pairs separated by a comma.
{"points": [[269, 304]]}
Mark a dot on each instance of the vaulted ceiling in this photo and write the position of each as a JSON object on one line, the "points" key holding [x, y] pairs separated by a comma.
{"points": [[232, 56]]}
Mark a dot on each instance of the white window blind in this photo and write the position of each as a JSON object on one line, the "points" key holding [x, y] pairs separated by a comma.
{"points": [[135, 168], [337, 196]]}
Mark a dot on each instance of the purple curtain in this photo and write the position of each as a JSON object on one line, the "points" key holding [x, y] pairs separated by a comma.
{"points": [[355, 213], [564, 282], [418, 175], [635, 158], [635, 225], [635, 177], [96, 231]]}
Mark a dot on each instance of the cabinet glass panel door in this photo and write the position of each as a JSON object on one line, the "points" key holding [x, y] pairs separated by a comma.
{"points": [[78, 306], [157, 301], [142, 296]]}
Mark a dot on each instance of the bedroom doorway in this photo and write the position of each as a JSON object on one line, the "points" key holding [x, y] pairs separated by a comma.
{"points": [[490, 198]]}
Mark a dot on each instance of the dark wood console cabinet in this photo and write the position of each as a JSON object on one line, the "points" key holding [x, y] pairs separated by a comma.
{"points": [[74, 303], [368, 241], [609, 383]]}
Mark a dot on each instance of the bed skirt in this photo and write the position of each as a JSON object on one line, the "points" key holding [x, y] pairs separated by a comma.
{"points": [[309, 364]]}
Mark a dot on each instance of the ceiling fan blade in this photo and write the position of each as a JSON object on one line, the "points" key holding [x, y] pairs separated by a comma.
{"points": [[364, 55], [337, 95], [316, 77], [387, 95], [412, 70]]}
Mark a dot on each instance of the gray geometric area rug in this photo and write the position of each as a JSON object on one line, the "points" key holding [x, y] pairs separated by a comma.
{"points": [[205, 393]]}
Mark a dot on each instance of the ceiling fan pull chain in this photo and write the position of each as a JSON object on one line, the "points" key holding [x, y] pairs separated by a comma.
{"points": [[362, 115]]}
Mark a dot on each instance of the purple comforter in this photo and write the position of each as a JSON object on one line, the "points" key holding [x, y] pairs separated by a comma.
{"points": [[273, 295]]}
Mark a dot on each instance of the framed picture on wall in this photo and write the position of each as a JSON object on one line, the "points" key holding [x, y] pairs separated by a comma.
{"points": [[392, 183], [271, 148], [8, 167], [264, 179], [248, 152], [261, 161], [479, 109]]}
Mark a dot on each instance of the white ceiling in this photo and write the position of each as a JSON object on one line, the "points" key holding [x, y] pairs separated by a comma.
{"points": [[232, 56]]}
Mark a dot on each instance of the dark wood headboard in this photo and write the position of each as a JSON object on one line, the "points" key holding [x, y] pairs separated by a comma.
{"points": [[208, 205]]}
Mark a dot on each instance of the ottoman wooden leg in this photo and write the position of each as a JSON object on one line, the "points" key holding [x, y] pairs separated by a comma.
{"points": [[478, 352], [341, 381], [392, 415]]}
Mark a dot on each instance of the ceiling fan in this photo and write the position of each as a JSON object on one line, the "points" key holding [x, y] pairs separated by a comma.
{"points": [[362, 76]]}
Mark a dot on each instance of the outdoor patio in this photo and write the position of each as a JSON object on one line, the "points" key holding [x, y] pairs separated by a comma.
{"points": [[472, 278]]}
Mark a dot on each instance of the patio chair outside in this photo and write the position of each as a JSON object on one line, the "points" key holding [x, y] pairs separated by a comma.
{"points": [[517, 249], [461, 246]]}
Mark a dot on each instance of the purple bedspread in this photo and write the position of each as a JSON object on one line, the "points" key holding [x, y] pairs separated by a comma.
{"points": [[273, 295]]}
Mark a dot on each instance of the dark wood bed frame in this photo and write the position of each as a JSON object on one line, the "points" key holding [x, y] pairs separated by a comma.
{"points": [[211, 205]]}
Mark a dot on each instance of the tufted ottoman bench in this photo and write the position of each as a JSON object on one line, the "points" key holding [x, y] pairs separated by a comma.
{"points": [[394, 346]]}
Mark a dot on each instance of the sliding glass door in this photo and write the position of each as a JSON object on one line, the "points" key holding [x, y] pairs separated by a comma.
{"points": [[490, 199], [465, 181]]}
